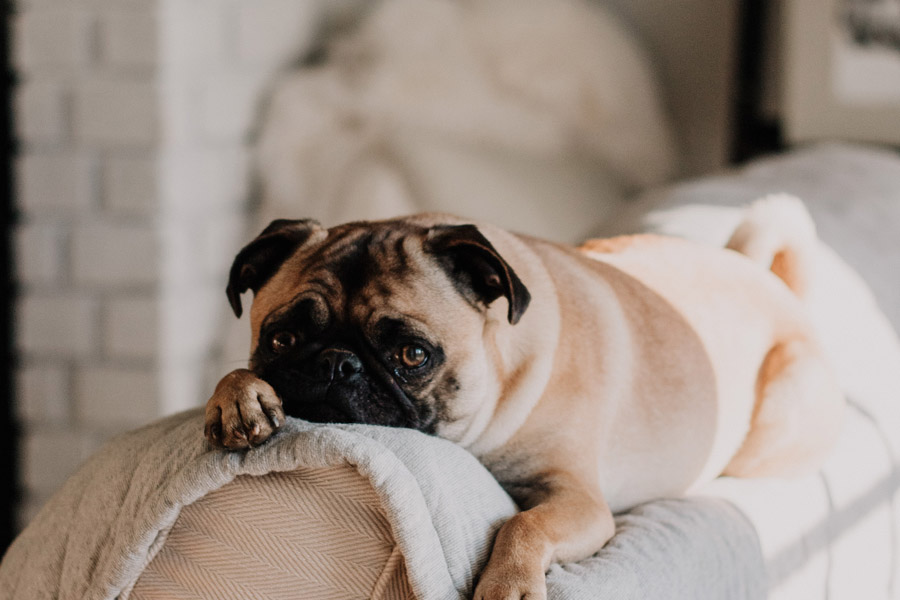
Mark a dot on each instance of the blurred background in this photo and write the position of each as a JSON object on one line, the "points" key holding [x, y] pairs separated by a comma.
{"points": [[147, 140]]}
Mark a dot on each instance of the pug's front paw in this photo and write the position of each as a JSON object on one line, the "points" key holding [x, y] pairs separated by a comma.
{"points": [[510, 581], [243, 412]]}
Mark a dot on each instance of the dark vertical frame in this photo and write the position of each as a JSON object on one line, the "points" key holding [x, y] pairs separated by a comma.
{"points": [[9, 480], [754, 135]]}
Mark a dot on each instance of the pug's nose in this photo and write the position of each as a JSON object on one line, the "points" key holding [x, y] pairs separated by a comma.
{"points": [[334, 364]]}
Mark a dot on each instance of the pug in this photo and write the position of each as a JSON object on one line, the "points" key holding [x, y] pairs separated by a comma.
{"points": [[587, 380]]}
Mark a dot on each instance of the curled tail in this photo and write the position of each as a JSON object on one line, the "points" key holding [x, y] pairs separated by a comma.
{"points": [[778, 233]]}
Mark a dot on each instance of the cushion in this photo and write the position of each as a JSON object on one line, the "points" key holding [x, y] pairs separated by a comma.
{"points": [[159, 513], [274, 535]]}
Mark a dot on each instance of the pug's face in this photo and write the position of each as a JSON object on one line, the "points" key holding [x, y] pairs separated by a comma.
{"points": [[379, 323]]}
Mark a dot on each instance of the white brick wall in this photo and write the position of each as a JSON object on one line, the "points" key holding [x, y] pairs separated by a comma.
{"points": [[134, 119], [55, 184], [131, 328], [128, 38], [228, 104], [42, 393], [40, 107], [39, 249], [50, 454], [111, 255], [87, 244], [61, 324], [116, 396], [130, 185], [116, 111], [52, 37], [195, 32]]}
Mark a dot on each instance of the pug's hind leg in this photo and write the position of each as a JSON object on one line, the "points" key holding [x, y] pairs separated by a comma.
{"points": [[797, 417], [244, 411]]}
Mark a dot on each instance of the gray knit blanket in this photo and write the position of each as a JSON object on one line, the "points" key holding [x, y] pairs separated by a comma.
{"points": [[98, 533]]}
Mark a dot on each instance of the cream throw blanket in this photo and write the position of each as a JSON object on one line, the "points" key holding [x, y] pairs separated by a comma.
{"points": [[99, 532]]}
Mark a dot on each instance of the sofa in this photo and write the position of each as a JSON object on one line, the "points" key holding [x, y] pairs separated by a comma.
{"points": [[353, 511], [347, 511]]}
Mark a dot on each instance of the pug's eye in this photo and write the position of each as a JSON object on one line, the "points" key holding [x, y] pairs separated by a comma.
{"points": [[412, 356], [282, 341]]}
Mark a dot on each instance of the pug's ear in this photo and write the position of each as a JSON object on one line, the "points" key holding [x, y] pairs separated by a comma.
{"points": [[261, 258], [475, 265]]}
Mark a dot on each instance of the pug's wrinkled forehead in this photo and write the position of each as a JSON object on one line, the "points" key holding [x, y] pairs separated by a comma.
{"points": [[413, 264], [347, 274]]}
